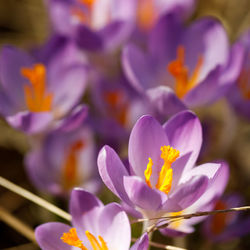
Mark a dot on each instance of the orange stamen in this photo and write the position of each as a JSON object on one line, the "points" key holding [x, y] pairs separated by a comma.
{"points": [[70, 166], [180, 72], [89, 3], [37, 100], [117, 106], [146, 15], [244, 84], [71, 238], [164, 183]]}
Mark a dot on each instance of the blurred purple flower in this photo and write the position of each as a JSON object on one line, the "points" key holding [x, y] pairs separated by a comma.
{"points": [[65, 158], [34, 94], [95, 226], [227, 226], [162, 176], [239, 94], [147, 12], [184, 66], [93, 24]]}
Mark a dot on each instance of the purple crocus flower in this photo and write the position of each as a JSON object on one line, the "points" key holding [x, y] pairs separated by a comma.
{"points": [[162, 177], [95, 226], [239, 94], [227, 226], [116, 107], [93, 24], [184, 66], [33, 93], [64, 158]]}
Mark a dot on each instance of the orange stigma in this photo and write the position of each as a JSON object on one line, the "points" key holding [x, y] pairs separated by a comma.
{"points": [[169, 155], [146, 15], [88, 3], [71, 238], [70, 166], [180, 72], [37, 100], [117, 106], [244, 83]]}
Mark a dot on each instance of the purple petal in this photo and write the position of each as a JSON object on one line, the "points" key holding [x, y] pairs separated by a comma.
{"points": [[165, 101], [30, 123], [184, 133], [84, 208], [141, 243], [48, 236], [146, 139], [112, 171], [72, 85], [114, 227], [204, 93], [164, 38], [199, 40], [88, 39], [6, 106], [187, 193], [115, 33], [75, 119], [181, 231], [11, 62], [141, 194], [138, 68]]}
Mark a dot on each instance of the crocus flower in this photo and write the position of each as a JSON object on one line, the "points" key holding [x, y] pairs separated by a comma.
{"points": [[116, 107], [94, 226], [183, 66], [162, 177], [33, 93], [239, 94], [93, 24], [64, 158], [227, 226]]}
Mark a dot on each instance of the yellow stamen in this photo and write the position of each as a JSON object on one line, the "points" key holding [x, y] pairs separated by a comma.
{"points": [[70, 165], [176, 222], [146, 15], [94, 242], [169, 155], [244, 84], [37, 100], [180, 72], [71, 238], [148, 172]]}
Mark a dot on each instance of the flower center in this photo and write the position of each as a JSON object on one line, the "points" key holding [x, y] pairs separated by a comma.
{"points": [[36, 97], [117, 106], [83, 15], [169, 155], [177, 68], [70, 166], [72, 239], [244, 83], [146, 14]]}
